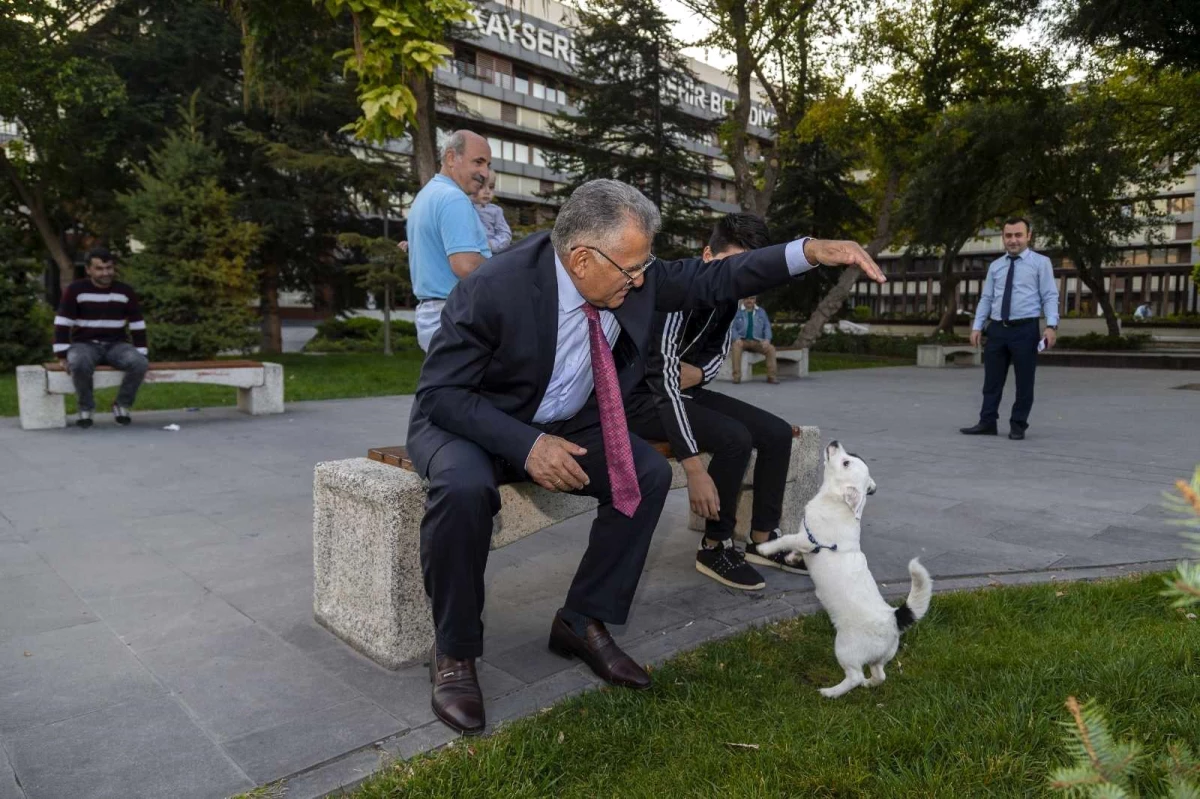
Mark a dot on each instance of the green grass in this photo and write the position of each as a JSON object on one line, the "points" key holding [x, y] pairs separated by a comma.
{"points": [[972, 706], [308, 377], [342, 376]]}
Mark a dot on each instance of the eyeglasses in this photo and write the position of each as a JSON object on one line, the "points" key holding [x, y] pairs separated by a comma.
{"points": [[630, 274]]}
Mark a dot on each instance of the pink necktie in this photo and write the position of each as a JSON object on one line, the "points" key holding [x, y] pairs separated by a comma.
{"points": [[622, 477]]}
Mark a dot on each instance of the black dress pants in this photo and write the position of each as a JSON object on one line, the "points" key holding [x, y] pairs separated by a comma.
{"points": [[1016, 346], [457, 529], [728, 429]]}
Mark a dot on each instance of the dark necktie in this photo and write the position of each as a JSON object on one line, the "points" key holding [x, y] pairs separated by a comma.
{"points": [[1006, 303], [750, 325], [622, 477]]}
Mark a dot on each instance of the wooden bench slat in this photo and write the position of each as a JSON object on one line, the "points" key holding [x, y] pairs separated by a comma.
{"points": [[398, 456], [175, 366]]}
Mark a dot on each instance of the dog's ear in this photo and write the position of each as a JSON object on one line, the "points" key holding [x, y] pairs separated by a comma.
{"points": [[855, 498]]}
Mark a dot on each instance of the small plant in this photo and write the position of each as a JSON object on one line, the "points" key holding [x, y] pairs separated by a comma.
{"points": [[861, 313]]}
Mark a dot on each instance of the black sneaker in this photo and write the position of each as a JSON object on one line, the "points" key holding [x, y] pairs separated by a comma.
{"points": [[121, 414], [85, 420], [725, 564], [776, 561]]}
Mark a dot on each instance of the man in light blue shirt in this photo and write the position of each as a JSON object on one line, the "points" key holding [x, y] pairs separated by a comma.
{"points": [[446, 239], [1018, 291]]}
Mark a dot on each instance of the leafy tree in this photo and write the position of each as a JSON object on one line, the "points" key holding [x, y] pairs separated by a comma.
{"points": [[25, 321], [630, 124], [385, 272], [922, 58], [193, 272], [1090, 187], [51, 90], [1164, 30]]}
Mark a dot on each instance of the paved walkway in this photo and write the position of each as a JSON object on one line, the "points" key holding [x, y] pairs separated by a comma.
{"points": [[156, 632]]}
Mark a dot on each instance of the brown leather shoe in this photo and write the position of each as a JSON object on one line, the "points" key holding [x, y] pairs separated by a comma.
{"points": [[599, 651], [457, 700]]}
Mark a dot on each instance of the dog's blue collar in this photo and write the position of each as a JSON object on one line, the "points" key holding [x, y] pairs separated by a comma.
{"points": [[813, 540]]}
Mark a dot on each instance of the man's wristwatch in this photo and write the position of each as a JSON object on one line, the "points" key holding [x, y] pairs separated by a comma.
{"points": [[1052, 327]]}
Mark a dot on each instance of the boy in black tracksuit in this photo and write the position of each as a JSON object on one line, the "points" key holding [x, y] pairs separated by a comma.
{"points": [[689, 350]]}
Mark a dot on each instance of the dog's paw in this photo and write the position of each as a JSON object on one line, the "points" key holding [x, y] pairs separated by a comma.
{"points": [[830, 693], [794, 559]]}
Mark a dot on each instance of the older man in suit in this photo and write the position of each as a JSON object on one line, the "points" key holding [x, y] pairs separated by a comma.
{"points": [[526, 379]]}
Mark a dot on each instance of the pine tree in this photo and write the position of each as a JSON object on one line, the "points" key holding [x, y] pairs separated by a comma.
{"points": [[193, 273], [25, 321], [630, 123]]}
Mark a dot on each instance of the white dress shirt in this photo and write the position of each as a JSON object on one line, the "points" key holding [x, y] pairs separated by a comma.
{"points": [[571, 381]]}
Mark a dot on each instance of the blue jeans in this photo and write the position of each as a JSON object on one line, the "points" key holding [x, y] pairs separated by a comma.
{"points": [[85, 356]]}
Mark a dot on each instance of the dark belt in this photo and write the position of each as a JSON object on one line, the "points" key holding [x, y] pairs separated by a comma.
{"points": [[1019, 322]]}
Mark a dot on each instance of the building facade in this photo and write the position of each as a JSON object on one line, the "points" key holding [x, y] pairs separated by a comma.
{"points": [[1155, 269], [513, 73]]}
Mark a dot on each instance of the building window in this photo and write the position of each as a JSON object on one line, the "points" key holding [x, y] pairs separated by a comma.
{"points": [[539, 91], [495, 145], [521, 82], [1183, 230], [508, 113], [507, 151], [522, 153], [539, 158], [1181, 205], [1140, 257]]}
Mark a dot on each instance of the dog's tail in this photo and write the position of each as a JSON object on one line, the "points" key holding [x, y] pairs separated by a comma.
{"points": [[917, 603]]}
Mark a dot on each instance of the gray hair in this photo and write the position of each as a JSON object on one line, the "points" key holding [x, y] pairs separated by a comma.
{"points": [[456, 143], [597, 211]]}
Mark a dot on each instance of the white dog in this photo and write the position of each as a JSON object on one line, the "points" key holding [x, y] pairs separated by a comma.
{"points": [[868, 628]]}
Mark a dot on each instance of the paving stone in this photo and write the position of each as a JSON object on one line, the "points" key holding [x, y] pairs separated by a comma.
{"points": [[273, 753], [164, 612], [333, 779], [18, 559], [8, 780], [38, 602], [426, 738], [660, 646], [245, 680], [143, 748], [532, 698], [66, 673]]}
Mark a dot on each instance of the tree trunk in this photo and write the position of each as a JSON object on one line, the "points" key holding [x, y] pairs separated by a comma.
{"points": [[424, 137], [949, 302], [837, 295], [387, 320], [1093, 278], [751, 196], [41, 221], [272, 327]]}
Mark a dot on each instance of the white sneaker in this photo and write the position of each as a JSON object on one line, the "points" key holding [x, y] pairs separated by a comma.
{"points": [[85, 419], [121, 414]]}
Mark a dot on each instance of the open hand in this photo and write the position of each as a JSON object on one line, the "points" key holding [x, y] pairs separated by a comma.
{"points": [[552, 465], [976, 336], [843, 253]]}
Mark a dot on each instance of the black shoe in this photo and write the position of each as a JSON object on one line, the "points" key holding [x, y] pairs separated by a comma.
{"points": [[980, 429], [1016, 435], [725, 564], [777, 561], [85, 420], [121, 414]]}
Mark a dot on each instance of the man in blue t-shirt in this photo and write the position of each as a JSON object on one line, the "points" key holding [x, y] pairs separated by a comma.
{"points": [[446, 239]]}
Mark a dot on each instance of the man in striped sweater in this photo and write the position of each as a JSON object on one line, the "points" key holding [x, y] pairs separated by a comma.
{"points": [[89, 331], [690, 348]]}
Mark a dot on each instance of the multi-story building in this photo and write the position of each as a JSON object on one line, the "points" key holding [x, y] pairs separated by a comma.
{"points": [[514, 72], [1155, 269]]}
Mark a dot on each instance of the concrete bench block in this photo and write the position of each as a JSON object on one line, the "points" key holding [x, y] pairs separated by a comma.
{"points": [[937, 356], [267, 397], [790, 362], [40, 410], [367, 583]]}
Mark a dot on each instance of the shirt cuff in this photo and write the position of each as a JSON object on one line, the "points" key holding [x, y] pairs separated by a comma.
{"points": [[797, 264]]}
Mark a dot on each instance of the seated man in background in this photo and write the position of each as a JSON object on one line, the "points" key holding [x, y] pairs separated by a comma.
{"points": [[89, 331], [688, 350], [752, 331]]}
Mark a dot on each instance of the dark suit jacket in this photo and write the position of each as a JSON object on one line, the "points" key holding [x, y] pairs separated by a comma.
{"points": [[490, 363]]}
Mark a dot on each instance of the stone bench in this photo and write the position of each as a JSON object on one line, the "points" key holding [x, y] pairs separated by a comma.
{"points": [[791, 361], [41, 389], [941, 355], [367, 585]]}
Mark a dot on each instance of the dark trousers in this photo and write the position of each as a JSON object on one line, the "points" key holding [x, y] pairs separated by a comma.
{"points": [[728, 429], [457, 529], [1016, 346], [84, 356]]}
